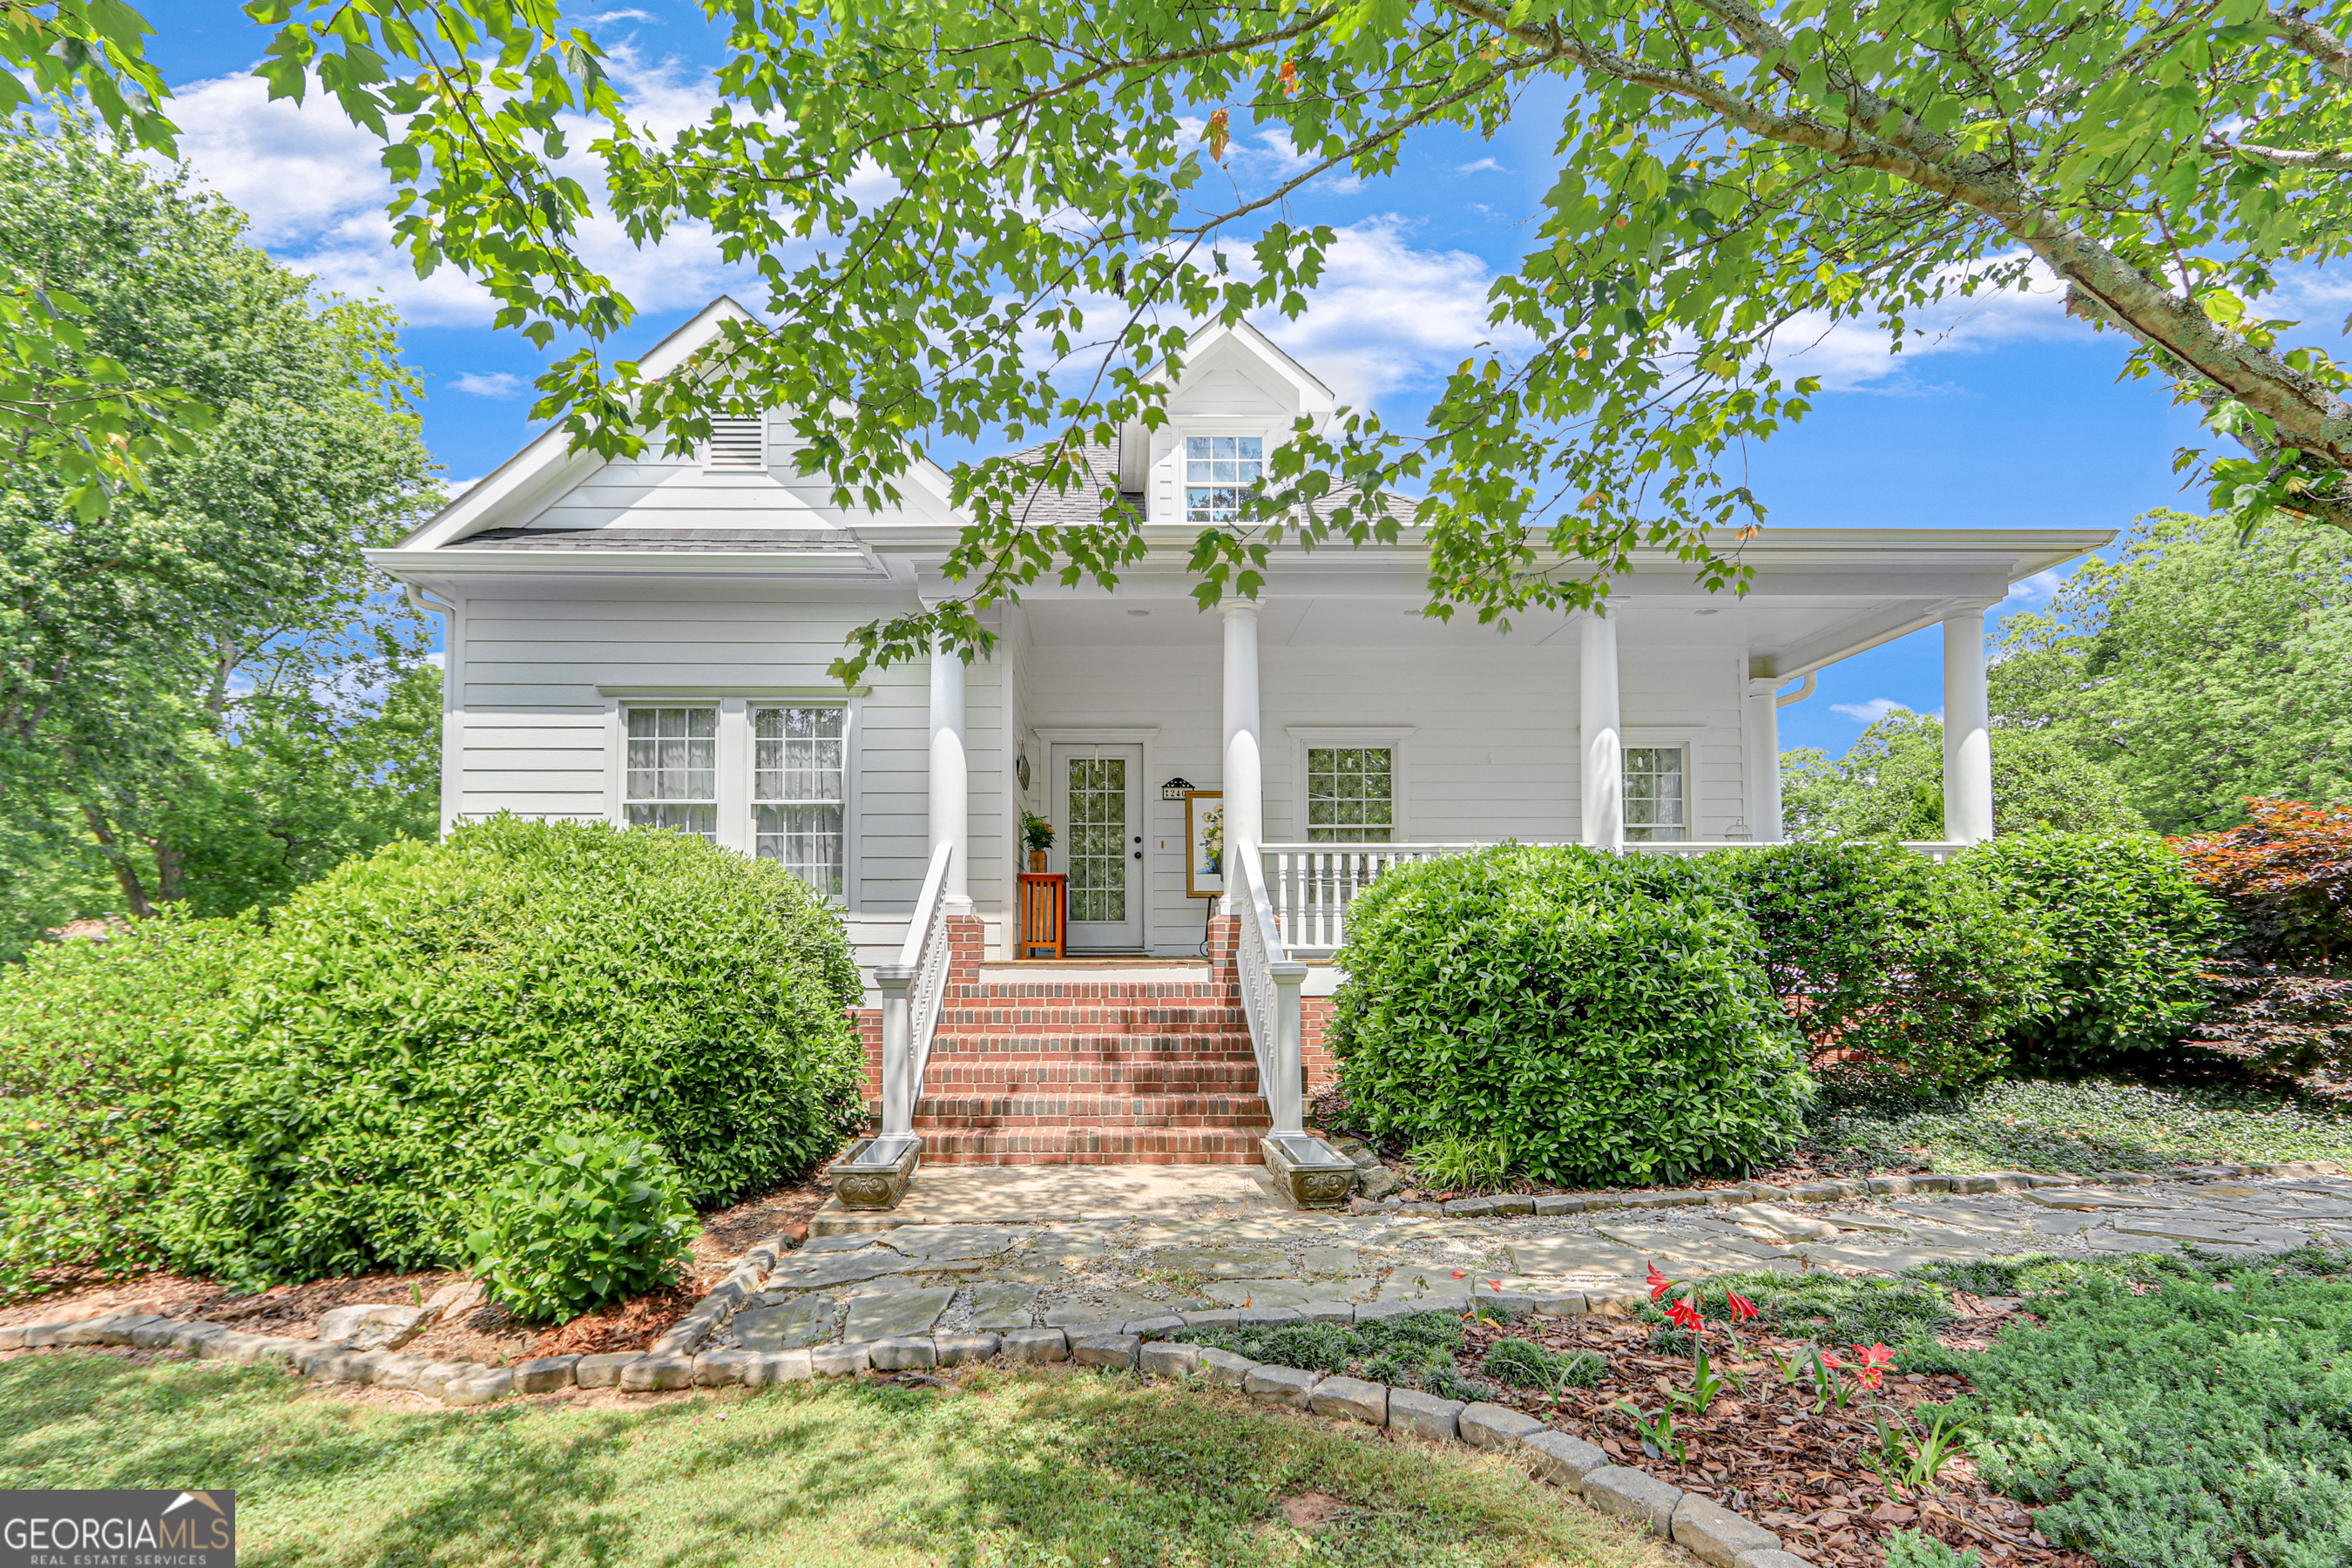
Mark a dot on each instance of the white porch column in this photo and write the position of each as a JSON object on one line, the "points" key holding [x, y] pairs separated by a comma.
{"points": [[1968, 731], [1599, 727], [897, 1048], [951, 776], [1764, 812], [1245, 781]]}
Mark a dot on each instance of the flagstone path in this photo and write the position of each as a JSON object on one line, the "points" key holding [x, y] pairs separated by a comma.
{"points": [[1272, 1264]]}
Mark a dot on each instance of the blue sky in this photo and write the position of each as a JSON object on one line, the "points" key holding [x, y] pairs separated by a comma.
{"points": [[2012, 418]]}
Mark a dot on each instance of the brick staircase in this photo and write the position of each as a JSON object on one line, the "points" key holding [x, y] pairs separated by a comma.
{"points": [[1064, 1071]]}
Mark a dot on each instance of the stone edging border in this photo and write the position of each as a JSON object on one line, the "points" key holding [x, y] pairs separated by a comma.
{"points": [[1555, 1205], [1713, 1533]]}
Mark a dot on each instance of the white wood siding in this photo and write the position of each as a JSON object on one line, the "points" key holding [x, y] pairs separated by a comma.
{"points": [[536, 737]]}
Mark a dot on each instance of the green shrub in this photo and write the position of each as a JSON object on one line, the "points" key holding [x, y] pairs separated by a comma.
{"points": [[1877, 949], [2130, 934], [1523, 1363], [583, 1219], [93, 1038], [2200, 1420], [1917, 1549], [416, 1020], [1605, 1017]]}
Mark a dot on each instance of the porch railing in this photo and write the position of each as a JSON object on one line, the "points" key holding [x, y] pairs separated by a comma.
{"points": [[912, 990], [1270, 981], [1310, 886]]}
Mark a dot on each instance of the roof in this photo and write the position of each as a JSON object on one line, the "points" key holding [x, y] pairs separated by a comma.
{"points": [[826, 539]]}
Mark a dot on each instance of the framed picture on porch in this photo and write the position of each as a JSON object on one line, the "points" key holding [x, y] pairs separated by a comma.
{"points": [[1204, 843]]}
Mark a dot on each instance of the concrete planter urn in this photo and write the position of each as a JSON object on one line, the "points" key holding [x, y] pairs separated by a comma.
{"points": [[875, 1173], [1310, 1172]]}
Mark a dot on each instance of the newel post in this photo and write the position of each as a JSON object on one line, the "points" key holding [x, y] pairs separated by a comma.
{"points": [[898, 1049], [1289, 1107]]}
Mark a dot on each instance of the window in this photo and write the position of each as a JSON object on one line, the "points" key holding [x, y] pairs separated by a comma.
{"points": [[1098, 841], [1655, 811], [673, 768], [1350, 794], [797, 795], [1219, 470], [737, 446]]}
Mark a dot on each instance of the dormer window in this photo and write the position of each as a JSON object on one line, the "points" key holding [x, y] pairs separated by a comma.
{"points": [[1219, 470], [737, 446]]}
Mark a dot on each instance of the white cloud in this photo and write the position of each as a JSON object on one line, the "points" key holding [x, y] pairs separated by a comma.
{"points": [[499, 385], [1856, 354], [2038, 589], [1483, 165], [459, 487], [314, 187], [1869, 713], [1389, 315]]}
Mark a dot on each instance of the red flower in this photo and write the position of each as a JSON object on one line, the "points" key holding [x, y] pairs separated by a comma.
{"points": [[1742, 1309], [1659, 1283], [1829, 1361], [1683, 1315], [1497, 1285], [1461, 1274], [1877, 1361]]}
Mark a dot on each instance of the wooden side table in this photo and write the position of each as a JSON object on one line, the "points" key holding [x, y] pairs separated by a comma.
{"points": [[1043, 915]]}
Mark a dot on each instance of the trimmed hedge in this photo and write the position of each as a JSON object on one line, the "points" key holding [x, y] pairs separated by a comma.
{"points": [[1876, 949], [585, 1219], [2131, 937], [335, 1090], [419, 1019], [93, 1038], [1607, 1017]]}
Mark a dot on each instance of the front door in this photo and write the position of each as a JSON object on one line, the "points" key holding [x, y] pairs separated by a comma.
{"points": [[1102, 843]]}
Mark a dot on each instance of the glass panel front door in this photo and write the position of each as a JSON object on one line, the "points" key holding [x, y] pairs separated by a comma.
{"points": [[1102, 843]]}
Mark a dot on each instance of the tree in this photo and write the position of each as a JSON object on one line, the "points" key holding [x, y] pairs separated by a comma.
{"points": [[63, 407], [1890, 784], [2197, 669], [178, 674], [996, 221]]}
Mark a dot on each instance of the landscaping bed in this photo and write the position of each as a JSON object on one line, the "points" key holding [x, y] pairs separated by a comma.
{"points": [[2208, 1110], [474, 1331], [2085, 1391]]}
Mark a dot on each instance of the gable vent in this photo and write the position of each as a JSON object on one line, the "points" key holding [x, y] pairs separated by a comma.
{"points": [[737, 446]]}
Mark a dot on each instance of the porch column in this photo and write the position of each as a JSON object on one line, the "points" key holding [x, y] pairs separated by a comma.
{"points": [[1244, 782], [1603, 821], [950, 777], [1764, 762], [1968, 731]]}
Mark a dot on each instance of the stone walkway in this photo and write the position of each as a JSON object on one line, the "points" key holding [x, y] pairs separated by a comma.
{"points": [[1252, 1258]]}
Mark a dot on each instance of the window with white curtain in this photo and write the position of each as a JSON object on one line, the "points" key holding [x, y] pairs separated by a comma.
{"points": [[1656, 804], [673, 770], [798, 792]]}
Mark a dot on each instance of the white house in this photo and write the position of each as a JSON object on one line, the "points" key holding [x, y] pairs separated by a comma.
{"points": [[646, 641]]}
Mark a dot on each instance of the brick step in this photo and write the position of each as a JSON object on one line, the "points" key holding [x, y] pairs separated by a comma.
{"points": [[1104, 1021], [1091, 1110], [941, 1087], [1095, 1048], [1093, 1146]]}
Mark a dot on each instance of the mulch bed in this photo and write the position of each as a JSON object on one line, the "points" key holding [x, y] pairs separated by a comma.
{"points": [[484, 1333], [1773, 1453]]}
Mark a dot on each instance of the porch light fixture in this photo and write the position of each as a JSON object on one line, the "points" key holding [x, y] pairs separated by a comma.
{"points": [[1175, 789]]}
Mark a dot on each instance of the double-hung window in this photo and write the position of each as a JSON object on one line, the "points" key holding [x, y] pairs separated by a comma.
{"points": [[1220, 471], [1350, 794], [797, 793], [673, 768], [1656, 804]]}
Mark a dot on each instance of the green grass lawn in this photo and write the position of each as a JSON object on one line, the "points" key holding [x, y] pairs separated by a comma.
{"points": [[2096, 1125], [1021, 1469]]}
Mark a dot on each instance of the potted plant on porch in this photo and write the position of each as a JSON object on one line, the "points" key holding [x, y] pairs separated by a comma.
{"points": [[1038, 835]]}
